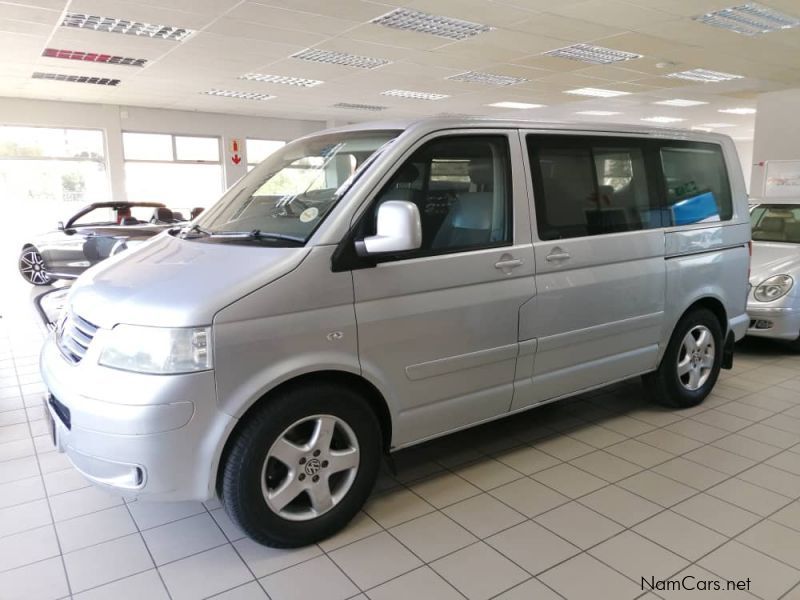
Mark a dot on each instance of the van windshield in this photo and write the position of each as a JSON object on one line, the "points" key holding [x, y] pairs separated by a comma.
{"points": [[285, 198], [776, 223]]}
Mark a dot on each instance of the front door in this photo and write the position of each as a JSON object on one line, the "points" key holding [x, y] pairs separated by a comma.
{"points": [[600, 270], [437, 327]]}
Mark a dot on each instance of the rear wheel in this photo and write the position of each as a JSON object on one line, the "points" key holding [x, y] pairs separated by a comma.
{"points": [[691, 363], [302, 465], [32, 267]]}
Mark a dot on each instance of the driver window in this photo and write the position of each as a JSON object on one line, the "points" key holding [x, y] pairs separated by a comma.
{"points": [[462, 187]]}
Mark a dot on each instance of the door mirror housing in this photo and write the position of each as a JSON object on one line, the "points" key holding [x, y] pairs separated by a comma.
{"points": [[399, 229]]}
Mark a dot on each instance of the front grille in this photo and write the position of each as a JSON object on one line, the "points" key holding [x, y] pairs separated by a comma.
{"points": [[73, 337]]}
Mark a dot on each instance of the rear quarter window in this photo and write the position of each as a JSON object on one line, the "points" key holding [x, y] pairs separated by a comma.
{"points": [[696, 183]]}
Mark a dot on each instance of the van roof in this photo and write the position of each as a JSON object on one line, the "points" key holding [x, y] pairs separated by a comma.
{"points": [[423, 126]]}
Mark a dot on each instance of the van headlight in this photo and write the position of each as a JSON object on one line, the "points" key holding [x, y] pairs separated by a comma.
{"points": [[157, 350], [773, 288]]}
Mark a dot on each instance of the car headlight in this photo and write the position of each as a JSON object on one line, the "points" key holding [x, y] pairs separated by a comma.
{"points": [[158, 350], [773, 288]]}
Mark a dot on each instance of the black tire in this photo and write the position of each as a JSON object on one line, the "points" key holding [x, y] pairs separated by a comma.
{"points": [[32, 267], [240, 482], [665, 384]]}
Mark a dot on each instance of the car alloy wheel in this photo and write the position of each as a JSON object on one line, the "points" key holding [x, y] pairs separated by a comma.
{"points": [[32, 267], [310, 467], [696, 357]]}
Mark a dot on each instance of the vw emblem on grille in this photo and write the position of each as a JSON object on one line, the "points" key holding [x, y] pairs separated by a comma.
{"points": [[313, 466]]}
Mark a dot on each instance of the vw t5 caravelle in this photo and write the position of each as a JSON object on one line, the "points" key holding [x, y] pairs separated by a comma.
{"points": [[371, 287]]}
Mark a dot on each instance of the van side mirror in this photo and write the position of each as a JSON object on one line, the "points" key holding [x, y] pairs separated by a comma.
{"points": [[399, 229], [61, 225]]}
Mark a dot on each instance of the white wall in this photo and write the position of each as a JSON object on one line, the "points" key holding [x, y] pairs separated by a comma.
{"points": [[113, 120], [777, 133], [745, 150]]}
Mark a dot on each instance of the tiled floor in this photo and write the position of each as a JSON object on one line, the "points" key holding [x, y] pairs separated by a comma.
{"points": [[576, 500]]}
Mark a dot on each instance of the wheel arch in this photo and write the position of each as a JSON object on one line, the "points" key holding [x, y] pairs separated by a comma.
{"points": [[713, 304], [374, 398]]}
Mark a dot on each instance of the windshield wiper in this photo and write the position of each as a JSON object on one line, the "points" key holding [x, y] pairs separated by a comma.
{"points": [[196, 229], [257, 234]]}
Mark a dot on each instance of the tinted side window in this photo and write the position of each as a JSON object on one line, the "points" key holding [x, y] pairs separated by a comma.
{"points": [[697, 187], [590, 186], [462, 187]]}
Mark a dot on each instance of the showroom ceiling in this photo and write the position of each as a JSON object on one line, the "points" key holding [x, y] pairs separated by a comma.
{"points": [[350, 60]]}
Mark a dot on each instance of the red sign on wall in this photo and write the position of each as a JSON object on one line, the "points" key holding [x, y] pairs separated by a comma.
{"points": [[236, 158]]}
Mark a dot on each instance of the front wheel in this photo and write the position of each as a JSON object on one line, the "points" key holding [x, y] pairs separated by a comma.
{"points": [[32, 267], [691, 363], [302, 465]]}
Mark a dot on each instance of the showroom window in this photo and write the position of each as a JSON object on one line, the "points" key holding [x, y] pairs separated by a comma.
{"points": [[588, 186], [258, 150], [696, 183], [182, 171], [42, 164]]}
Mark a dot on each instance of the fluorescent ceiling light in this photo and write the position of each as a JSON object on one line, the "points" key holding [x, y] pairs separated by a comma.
{"points": [[242, 95], [76, 78], [421, 22], [749, 19], [487, 78], [414, 95], [597, 92], [352, 106], [115, 25], [344, 59], [296, 81], [704, 75], [662, 119], [680, 102], [515, 105], [596, 55], [94, 57], [738, 111], [598, 113], [716, 125], [705, 129]]}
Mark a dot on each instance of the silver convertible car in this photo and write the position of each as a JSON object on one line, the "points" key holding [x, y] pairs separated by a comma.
{"points": [[774, 300]]}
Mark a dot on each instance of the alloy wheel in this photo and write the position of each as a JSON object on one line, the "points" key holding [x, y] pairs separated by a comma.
{"points": [[310, 467], [32, 267], [696, 357]]}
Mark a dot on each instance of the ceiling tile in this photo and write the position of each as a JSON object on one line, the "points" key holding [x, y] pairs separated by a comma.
{"points": [[612, 13], [291, 21], [573, 30]]}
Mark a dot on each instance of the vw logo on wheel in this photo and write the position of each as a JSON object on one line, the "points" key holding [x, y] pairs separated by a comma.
{"points": [[313, 466]]}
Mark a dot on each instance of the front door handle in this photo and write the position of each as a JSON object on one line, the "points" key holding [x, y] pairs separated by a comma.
{"points": [[557, 255], [508, 263]]}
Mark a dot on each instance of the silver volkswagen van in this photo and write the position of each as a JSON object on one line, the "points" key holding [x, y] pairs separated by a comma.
{"points": [[368, 288]]}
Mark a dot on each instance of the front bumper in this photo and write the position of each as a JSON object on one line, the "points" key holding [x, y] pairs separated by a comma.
{"points": [[781, 323], [157, 436]]}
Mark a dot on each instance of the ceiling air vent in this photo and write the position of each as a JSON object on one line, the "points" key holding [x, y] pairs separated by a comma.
{"points": [[114, 25], [341, 58], [414, 95], [704, 76], [749, 19], [352, 106], [421, 22], [76, 78], [595, 55], [281, 79], [242, 95], [95, 57], [487, 78]]}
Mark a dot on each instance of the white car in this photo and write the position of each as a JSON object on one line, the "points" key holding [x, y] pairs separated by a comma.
{"points": [[774, 300]]}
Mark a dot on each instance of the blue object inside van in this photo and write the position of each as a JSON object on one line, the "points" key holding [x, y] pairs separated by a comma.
{"points": [[698, 208]]}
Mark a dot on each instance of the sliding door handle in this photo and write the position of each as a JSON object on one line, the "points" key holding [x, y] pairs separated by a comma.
{"points": [[557, 255]]}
